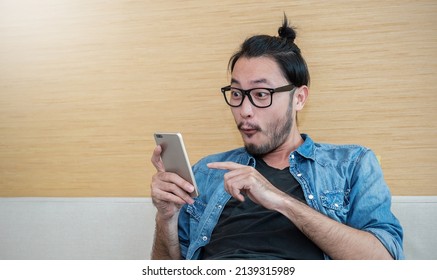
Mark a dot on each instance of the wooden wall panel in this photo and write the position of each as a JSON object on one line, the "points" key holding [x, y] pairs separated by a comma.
{"points": [[84, 84]]}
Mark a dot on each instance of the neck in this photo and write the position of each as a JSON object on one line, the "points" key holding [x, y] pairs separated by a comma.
{"points": [[279, 158]]}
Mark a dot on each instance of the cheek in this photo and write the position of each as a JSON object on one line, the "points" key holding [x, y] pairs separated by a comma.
{"points": [[277, 116], [281, 109], [235, 113]]}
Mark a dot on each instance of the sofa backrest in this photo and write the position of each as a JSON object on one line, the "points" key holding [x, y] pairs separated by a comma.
{"points": [[123, 228]]}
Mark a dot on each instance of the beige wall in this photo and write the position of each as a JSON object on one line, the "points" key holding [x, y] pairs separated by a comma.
{"points": [[84, 84]]}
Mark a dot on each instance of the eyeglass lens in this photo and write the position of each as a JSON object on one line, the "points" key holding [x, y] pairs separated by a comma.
{"points": [[258, 97]]}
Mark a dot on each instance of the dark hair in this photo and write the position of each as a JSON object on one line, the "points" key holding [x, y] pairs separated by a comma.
{"points": [[282, 49]]}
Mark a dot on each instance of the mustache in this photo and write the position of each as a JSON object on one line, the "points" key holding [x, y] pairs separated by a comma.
{"points": [[243, 125]]}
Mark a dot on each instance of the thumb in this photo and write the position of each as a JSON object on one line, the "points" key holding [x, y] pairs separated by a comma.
{"points": [[156, 159]]}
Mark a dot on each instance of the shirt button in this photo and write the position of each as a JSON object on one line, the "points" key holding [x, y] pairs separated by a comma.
{"points": [[292, 156], [336, 205], [300, 174], [219, 206], [204, 238], [311, 196]]}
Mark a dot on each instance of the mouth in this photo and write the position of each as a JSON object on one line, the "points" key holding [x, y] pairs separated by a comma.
{"points": [[248, 129]]}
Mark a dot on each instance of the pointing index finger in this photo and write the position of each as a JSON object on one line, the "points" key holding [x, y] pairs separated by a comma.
{"points": [[226, 165]]}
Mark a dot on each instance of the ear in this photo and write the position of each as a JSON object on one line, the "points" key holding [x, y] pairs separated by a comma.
{"points": [[300, 97]]}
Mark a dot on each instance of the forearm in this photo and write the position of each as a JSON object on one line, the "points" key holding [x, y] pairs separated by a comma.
{"points": [[166, 241], [337, 240]]}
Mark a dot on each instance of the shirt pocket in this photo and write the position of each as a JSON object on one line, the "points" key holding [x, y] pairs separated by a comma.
{"points": [[196, 209], [333, 199]]}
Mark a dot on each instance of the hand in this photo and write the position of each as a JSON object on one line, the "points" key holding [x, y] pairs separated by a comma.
{"points": [[242, 179], [169, 190]]}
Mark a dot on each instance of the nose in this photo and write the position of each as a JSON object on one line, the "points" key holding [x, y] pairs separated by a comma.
{"points": [[246, 108]]}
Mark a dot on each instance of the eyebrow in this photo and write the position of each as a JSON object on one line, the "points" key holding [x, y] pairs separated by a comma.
{"points": [[259, 81], [234, 81]]}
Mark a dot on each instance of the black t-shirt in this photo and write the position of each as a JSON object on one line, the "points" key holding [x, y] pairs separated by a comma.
{"points": [[246, 230]]}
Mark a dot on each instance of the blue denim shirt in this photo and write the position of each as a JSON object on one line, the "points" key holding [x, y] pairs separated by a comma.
{"points": [[344, 182]]}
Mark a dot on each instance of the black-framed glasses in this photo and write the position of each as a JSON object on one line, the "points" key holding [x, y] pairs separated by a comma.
{"points": [[259, 97]]}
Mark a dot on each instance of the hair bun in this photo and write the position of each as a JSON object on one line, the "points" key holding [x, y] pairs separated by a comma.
{"points": [[286, 31]]}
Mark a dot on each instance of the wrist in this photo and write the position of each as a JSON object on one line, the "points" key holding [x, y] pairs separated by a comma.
{"points": [[161, 218], [286, 205]]}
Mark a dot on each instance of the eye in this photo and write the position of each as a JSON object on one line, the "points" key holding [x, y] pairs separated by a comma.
{"points": [[235, 94], [260, 94]]}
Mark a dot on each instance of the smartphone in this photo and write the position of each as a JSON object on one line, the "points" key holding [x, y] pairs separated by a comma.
{"points": [[175, 158]]}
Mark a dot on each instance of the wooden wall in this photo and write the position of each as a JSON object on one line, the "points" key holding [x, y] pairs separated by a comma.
{"points": [[85, 83]]}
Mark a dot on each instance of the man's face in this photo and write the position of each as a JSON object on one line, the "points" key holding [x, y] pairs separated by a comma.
{"points": [[263, 129]]}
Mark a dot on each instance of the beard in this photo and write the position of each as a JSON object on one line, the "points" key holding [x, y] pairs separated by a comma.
{"points": [[276, 132]]}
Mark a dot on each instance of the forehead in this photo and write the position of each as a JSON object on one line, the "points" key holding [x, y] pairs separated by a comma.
{"points": [[257, 71]]}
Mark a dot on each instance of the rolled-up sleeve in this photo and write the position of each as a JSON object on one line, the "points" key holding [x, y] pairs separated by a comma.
{"points": [[370, 204]]}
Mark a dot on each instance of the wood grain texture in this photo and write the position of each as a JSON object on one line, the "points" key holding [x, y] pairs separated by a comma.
{"points": [[84, 84]]}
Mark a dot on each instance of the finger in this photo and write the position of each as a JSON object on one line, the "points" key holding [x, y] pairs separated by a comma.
{"points": [[226, 165], [173, 183], [159, 197], [175, 179], [156, 159], [234, 191], [171, 197], [178, 191], [235, 187]]}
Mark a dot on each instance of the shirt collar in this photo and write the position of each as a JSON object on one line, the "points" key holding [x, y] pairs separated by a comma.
{"points": [[307, 149]]}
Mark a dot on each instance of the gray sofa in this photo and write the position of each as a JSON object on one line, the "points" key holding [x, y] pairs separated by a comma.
{"points": [[122, 228]]}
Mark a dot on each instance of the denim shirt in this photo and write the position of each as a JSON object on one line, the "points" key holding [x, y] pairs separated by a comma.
{"points": [[344, 182]]}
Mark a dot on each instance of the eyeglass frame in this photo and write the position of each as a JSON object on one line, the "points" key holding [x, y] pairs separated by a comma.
{"points": [[289, 87]]}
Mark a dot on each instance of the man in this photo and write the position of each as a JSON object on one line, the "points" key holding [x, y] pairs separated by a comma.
{"points": [[282, 196]]}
